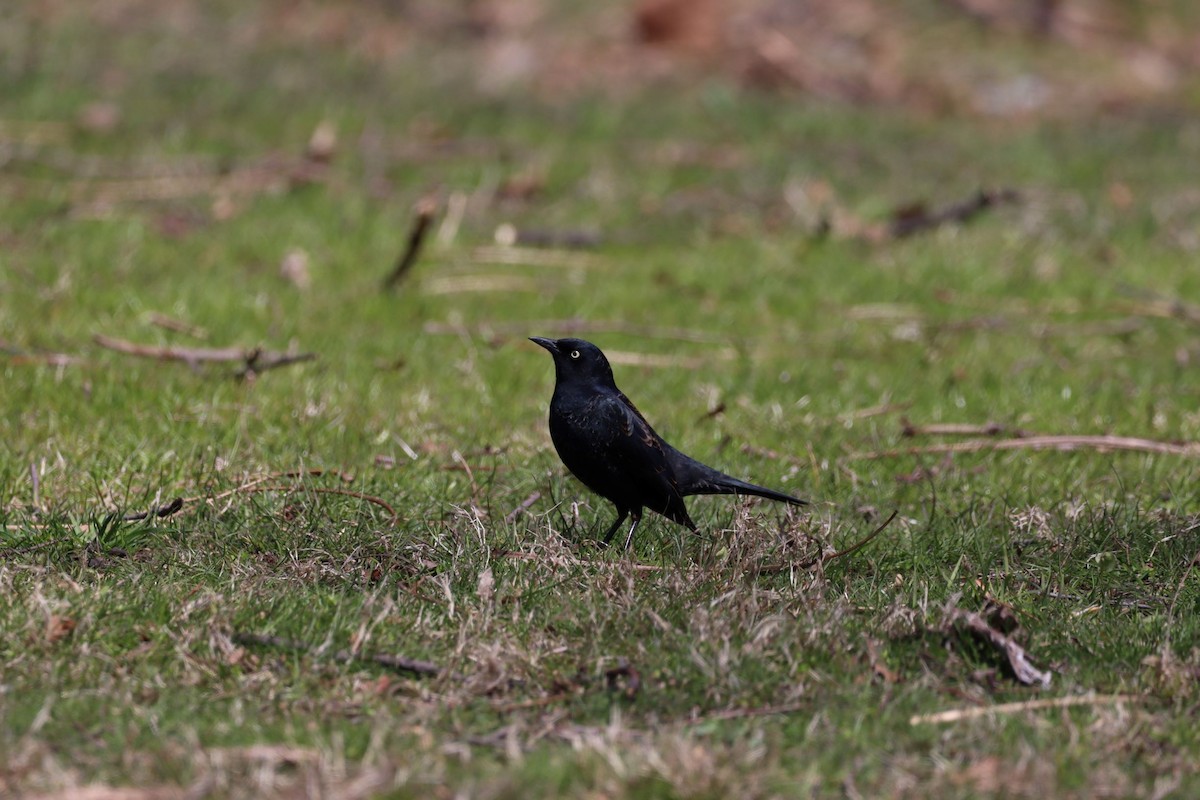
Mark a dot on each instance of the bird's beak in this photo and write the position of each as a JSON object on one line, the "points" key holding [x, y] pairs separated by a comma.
{"points": [[549, 344]]}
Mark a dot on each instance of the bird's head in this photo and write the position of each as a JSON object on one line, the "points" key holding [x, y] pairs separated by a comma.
{"points": [[577, 361]]}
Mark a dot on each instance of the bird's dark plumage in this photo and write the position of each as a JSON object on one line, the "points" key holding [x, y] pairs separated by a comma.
{"points": [[609, 446]]}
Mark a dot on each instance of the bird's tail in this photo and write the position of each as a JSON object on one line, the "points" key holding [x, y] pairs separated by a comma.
{"points": [[697, 478]]}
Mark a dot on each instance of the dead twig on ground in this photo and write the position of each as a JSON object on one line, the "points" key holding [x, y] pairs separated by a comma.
{"points": [[258, 361], [524, 506], [345, 477], [426, 210], [508, 235], [861, 543], [536, 257], [253, 360], [189, 355], [959, 714], [161, 512], [388, 660], [908, 429], [825, 558], [1065, 443], [916, 217], [255, 486]]}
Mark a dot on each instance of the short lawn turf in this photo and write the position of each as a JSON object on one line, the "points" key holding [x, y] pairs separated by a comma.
{"points": [[399, 496]]}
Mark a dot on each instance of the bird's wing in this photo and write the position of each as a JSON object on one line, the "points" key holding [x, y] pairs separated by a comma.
{"points": [[689, 476], [631, 407], [634, 444], [644, 458]]}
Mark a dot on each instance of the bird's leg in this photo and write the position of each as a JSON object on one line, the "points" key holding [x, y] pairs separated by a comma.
{"points": [[637, 518], [621, 515]]}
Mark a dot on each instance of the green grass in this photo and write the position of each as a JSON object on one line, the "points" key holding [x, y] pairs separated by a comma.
{"points": [[118, 660]]}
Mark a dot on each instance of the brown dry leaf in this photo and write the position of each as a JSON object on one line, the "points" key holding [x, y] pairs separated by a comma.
{"points": [[59, 628]]}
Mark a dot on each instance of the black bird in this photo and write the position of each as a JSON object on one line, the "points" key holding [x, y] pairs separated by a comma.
{"points": [[609, 446]]}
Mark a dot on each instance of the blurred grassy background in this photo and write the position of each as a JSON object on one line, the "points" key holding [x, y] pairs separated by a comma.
{"points": [[245, 175]]}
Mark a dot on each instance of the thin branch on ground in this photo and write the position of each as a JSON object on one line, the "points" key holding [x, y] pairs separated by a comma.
{"points": [[854, 548], [908, 429], [391, 661], [346, 477], [254, 360], [1064, 443], [159, 512], [426, 210], [165, 510], [524, 506], [917, 218], [255, 486], [259, 361], [508, 235], [825, 558], [536, 257], [959, 714]]}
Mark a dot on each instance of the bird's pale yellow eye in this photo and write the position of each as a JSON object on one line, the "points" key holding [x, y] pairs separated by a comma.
{"points": [[574, 354]]}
